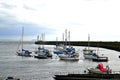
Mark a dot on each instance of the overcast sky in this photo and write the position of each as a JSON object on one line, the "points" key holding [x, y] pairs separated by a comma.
{"points": [[99, 18]]}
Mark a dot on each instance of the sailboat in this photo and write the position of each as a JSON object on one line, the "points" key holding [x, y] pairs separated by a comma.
{"points": [[20, 51], [60, 48], [91, 54], [42, 53], [69, 53]]}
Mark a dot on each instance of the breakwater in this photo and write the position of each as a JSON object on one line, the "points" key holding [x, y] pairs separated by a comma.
{"points": [[114, 45]]}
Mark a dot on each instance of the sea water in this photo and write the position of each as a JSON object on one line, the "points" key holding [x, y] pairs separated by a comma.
{"points": [[30, 68]]}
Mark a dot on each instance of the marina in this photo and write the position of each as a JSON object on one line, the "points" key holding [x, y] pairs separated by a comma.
{"points": [[30, 68], [47, 40]]}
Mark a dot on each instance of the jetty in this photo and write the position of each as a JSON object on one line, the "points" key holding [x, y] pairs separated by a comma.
{"points": [[88, 77], [113, 45]]}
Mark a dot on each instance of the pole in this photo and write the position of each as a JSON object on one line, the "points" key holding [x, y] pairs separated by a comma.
{"points": [[88, 41], [22, 36]]}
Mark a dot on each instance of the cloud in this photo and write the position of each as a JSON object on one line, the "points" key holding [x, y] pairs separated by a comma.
{"points": [[28, 8], [6, 5], [29, 29], [11, 24], [7, 19], [97, 17]]}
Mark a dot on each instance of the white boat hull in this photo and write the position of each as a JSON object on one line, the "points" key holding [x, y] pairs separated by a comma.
{"points": [[89, 56], [94, 58], [68, 58], [96, 71], [42, 55], [23, 54]]}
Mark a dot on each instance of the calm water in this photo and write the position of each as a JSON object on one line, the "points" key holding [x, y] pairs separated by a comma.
{"points": [[43, 69]]}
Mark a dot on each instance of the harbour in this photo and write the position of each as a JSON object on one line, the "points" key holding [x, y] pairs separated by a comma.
{"points": [[30, 68], [59, 40]]}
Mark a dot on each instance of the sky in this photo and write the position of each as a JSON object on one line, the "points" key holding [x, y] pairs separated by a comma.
{"points": [[99, 18]]}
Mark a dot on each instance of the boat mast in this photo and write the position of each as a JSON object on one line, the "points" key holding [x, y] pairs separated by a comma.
{"points": [[43, 39], [65, 37], [88, 41], [22, 37], [56, 42], [69, 37], [38, 38]]}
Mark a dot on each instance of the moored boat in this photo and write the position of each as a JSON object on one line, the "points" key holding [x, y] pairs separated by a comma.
{"points": [[42, 53], [91, 54], [100, 69], [24, 52], [68, 57], [98, 73], [69, 54], [21, 51], [100, 59], [59, 49]]}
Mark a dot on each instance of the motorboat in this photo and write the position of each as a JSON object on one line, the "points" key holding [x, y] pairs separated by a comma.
{"points": [[100, 69]]}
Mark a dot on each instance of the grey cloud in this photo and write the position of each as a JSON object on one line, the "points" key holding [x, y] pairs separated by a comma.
{"points": [[10, 25], [7, 6], [7, 19], [74, 23], [28, 8]]}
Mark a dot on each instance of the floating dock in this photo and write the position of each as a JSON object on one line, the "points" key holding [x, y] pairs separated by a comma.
{"points": [[88, 77]]}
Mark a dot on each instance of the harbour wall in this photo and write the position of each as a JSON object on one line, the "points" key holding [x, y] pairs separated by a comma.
{"points": [[113, 45]]}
